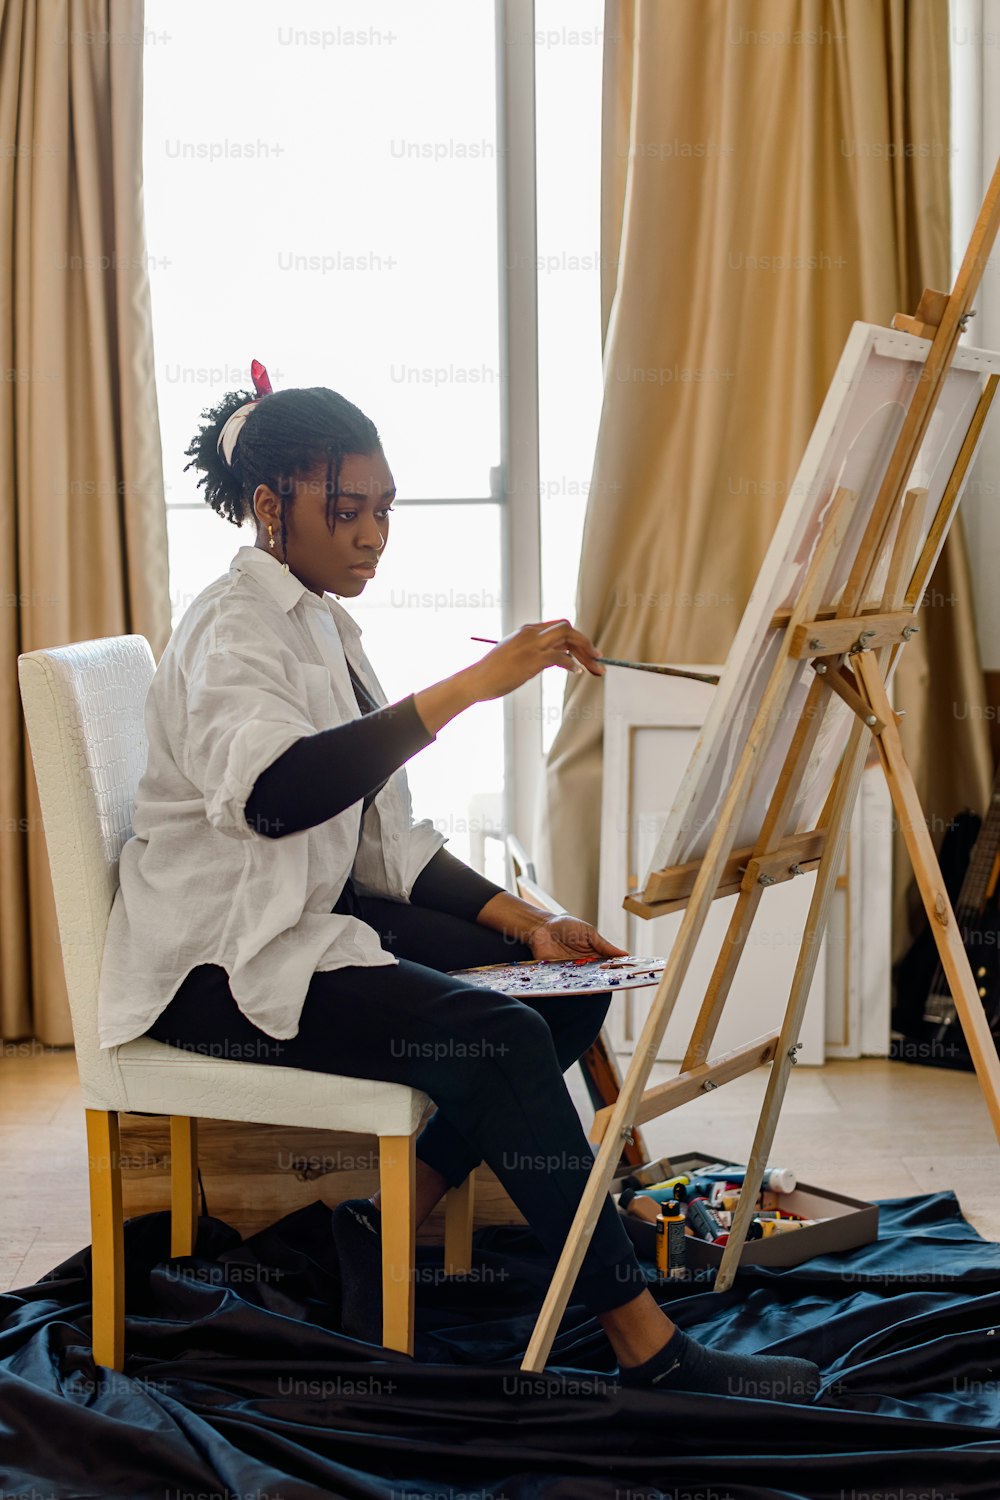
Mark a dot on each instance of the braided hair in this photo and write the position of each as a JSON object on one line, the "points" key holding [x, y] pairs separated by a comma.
{"points": [[284, 438]]}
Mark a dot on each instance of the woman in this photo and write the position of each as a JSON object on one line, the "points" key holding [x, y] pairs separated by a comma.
{"points": [[277, 903]]}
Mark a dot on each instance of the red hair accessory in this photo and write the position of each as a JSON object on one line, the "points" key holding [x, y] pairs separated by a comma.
{"points": [[261, 383], [233, 425]]}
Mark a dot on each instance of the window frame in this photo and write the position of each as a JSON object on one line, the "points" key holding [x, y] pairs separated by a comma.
{"points": [[516, 481]]}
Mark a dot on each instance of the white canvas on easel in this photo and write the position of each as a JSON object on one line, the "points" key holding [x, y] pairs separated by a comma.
{"points": [[849, 447]]}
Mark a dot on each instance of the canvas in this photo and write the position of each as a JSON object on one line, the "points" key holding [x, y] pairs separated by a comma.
{"points": [[850, 447]]}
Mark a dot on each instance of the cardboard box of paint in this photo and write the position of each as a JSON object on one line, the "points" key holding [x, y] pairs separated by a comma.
{"points": [[846, 1224]]}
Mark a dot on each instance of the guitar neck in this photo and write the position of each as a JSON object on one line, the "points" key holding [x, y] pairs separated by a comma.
{"points": [[975, 886], [971, 901]]}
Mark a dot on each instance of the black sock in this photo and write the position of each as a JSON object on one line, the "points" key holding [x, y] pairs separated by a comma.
{"points": [[684, 1365], [357, 1234]]}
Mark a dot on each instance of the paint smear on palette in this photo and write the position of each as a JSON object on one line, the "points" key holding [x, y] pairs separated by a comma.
{"points": [[565, 976]]}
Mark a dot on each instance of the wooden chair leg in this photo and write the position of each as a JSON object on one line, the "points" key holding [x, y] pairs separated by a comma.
{"points": [[107, 1237], [397, 1181], [459, 1215], [183, 1184]]}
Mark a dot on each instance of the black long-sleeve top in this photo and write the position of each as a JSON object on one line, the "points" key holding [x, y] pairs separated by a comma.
{"points": [[322, 774]]}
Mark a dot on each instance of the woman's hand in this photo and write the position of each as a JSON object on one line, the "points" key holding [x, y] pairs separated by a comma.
{"points": [[527, 651], [518, 657], [569, 937]]}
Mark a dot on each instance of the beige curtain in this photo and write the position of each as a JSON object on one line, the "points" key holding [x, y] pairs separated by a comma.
{"points": [[739, 135], [81, 498]]}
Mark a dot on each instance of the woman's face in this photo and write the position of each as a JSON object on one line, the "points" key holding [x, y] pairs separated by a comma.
{"points": [[341, 561]]}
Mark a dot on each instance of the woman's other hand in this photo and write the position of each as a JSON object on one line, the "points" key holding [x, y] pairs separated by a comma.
{"points": [[570, 937]]}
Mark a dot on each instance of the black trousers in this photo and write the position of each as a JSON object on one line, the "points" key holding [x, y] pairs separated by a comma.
{"points": [[492, 1064]]}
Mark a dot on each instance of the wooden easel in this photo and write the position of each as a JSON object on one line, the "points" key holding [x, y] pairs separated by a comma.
{"points": [[851, 647]]}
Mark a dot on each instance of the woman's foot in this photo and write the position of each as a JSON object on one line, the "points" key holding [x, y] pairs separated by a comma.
{"points": [[685, 1365], [679, 1364]]}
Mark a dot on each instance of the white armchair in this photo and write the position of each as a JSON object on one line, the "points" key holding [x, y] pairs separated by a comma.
{"points": [[83, 706]]}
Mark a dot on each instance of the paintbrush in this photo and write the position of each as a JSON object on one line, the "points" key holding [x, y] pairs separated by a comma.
{"points": [[650, 666], [637, 666]]}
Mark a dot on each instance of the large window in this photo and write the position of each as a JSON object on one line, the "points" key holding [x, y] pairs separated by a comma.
{"points": [[321, 190], [321, 195]]}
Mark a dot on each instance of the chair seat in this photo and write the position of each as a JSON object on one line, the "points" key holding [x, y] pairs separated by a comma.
{"points": [[159, 1079]]}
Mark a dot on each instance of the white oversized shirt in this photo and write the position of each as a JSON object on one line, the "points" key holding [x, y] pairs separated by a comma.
{"points": [[256, 662]]}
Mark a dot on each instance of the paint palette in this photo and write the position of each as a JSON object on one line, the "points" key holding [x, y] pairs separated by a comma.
{"points": [[565, 976]]}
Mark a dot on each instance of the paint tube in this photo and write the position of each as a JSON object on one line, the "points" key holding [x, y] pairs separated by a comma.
{"points": [[781, 1226], [776, 1179], [670, 1251]]}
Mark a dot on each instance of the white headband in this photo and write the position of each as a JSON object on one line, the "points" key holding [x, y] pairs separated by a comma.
{"points": [[231, 429]]}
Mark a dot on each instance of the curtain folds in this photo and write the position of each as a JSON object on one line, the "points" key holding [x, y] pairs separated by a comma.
{"points": [[81, 501], [772, 170]]}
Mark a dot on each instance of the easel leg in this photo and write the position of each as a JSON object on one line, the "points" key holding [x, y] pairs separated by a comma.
{"points": [[947, 934], [842, 807]]}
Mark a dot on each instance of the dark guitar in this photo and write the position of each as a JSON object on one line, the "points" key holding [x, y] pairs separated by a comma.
{"points": [[924, 1010]]}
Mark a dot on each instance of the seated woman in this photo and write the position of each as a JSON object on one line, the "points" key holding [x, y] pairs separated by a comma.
{"points": [[278, 904]]}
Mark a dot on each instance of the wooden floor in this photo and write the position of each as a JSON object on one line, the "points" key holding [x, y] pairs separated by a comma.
{"points": [[871, 1128]]}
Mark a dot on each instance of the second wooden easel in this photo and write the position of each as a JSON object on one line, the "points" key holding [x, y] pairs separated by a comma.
{"points": [[851, 646]]}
